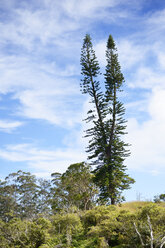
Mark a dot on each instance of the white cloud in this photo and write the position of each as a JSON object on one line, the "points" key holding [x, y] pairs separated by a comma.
{"points": [[147, 78], [147, 138], [80, 9], [131, 54], [100, 49], [52, 21], [45, 85], [157, 20], [42, 160], [161, 59], [156, 105], [46, 89], [9, 126], [59, 109], [43, 90], [140, 105]]}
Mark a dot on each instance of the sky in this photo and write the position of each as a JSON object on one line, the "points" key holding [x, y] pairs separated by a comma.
{"points": [[41, 106]]}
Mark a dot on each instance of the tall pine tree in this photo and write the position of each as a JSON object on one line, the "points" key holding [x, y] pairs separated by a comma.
{"points": [[90, 85], [106, 146]]}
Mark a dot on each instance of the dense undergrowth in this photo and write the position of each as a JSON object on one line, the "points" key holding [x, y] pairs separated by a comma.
{"points": [[130, 225]]}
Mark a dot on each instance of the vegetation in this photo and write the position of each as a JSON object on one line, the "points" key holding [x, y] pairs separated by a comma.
{"points": [[24, 196], [137, 224], [64, 212], [159, 198], [74, 188], [79, 207], [106, 148]]}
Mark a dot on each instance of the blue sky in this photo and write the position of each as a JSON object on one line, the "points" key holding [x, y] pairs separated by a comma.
{"points": [[41, 106]]}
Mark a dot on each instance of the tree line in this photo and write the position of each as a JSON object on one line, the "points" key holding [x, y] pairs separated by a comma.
{"points": [[25, 196]]}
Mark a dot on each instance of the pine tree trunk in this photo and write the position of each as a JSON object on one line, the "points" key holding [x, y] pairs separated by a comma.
{"points": [[113, 202]]}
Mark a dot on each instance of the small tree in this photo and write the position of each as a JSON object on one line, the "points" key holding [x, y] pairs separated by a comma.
{"points": [[106, 146], [159, 198]]}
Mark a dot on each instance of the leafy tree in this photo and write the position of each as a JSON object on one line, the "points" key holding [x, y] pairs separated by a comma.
{"points": [[19, 233], [150, 226], [162, 197], [74, 187], [79, 184], [8, 201], [59, 197], [159, 198], [105, 146], [67, 226], [25, 193], [44, 197]]}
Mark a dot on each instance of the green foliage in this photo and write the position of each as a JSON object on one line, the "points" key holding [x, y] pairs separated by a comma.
{"points": [[108, 125], [90, 85], [100, 227], [22, 234], [8, 201], [74, 188], [79, 223], [44, 246], [116, 225], [23, 195], [43, 204], [67, 226], [159, 198], [162, 197]]}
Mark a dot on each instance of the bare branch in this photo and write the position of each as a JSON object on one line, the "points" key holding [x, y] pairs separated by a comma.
{"points": [[162, 242], [138, 233], [151, 232]]}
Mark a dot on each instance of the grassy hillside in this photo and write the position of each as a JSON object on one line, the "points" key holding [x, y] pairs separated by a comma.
{"points": [[136, 205]]}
